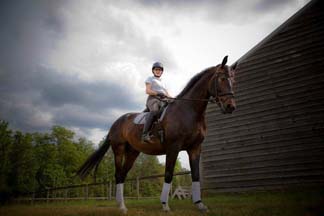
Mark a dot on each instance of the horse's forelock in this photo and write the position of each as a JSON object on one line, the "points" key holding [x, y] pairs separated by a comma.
{"points": [[224, 69]]}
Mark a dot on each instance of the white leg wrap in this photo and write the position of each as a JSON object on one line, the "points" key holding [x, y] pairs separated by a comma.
{"points": [[120, 193], [165, 193], [196, 192]]}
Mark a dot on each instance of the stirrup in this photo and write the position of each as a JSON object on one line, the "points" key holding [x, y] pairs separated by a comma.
{"points": [[146, 138]]}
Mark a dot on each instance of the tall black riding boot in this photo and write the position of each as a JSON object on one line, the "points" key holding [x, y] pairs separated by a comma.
{"points": [[147, 126]]}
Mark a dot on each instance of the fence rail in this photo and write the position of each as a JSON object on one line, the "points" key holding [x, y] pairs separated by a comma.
{"points": [[93, 191]]}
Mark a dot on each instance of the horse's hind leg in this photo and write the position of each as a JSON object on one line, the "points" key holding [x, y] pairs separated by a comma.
{"points": [[121, 171], [119, 155], [130, 156]]}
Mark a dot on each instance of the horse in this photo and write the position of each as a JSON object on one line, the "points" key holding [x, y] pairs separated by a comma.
{"points": [[184, 129]]}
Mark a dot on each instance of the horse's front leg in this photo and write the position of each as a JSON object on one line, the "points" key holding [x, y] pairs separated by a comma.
{"points": [[170, 162], [194, 158]]}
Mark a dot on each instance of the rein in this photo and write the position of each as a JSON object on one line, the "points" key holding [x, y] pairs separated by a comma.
{"points": [[210, 100]]}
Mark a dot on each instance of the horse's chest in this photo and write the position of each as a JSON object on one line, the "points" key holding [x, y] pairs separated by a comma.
{"points": [[199, 134]]}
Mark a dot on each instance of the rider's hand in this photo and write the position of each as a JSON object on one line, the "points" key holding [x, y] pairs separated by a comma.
{"points": [[171, 100], [161, 95]]}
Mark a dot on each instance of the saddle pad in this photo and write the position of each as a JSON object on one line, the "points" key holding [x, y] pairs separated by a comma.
{"points": [[140, 118]]}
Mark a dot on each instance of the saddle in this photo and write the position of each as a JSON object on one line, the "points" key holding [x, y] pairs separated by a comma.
{"points": [[157, 129], [141, 117]]}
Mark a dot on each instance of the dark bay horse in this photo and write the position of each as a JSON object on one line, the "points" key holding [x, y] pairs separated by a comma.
{"points": [[184, 129]]}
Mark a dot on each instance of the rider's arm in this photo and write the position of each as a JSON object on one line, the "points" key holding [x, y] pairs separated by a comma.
{"points": [[149, 90]]}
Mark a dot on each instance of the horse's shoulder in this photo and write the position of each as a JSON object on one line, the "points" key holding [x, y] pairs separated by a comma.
{"points": [[130, 115]]}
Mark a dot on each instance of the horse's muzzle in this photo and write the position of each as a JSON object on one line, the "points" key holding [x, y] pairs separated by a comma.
{"points": [[229, 108]]}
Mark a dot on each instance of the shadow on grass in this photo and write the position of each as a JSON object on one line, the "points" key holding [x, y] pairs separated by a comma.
{"points": [[309, 203]]}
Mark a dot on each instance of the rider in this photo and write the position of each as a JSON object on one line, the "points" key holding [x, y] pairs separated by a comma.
{"points": [[156, 90]]}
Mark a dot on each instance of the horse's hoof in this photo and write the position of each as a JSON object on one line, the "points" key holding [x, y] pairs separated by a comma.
{"points": [[124, 210], [202, 207], [166, 208]]}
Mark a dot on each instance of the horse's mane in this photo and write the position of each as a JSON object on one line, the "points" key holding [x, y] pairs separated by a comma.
{"points": [[192, 82]]}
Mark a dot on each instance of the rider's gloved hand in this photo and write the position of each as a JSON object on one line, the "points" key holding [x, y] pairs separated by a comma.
{"points": [[161, 95]]}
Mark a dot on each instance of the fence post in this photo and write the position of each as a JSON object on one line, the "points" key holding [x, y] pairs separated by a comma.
{"points": [[85, 191], [107, 189], [110, 189], [66, 195], [137, 187], [103, 190], [114, 190], [33, 198], [34, 193], [47, 195]]}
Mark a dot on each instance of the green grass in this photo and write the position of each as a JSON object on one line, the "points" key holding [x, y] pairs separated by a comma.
{"points": [[248, 204]]}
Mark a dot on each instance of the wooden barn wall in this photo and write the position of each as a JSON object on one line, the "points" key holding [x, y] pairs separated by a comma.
{"points": [[275, 138]]}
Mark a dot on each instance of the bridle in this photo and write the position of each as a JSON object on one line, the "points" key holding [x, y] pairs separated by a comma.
{"points": [[214, 90]]}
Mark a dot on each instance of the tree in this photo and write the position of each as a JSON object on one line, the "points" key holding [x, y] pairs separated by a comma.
{"points": [[5, 146], [34, 162], [22, 164], [49, 172], [67, 151]]}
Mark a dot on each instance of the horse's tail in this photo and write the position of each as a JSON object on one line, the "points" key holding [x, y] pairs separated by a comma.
{"points": [[94, 160]]}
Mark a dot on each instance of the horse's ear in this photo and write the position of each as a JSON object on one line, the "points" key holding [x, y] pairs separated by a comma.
{"points": [[224, 61], [234, 66]]}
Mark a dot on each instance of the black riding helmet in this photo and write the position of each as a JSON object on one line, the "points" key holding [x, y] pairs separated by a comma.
{"points": [[157, 65]]}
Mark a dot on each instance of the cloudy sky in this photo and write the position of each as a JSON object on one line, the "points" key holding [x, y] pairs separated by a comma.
{"points": [[81, 64]]}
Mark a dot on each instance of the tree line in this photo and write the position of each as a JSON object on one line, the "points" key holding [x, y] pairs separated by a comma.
{"points": [[37, 161]]}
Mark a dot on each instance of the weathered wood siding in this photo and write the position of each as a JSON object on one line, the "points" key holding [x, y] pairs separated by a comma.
{"points": [[275, 138]]}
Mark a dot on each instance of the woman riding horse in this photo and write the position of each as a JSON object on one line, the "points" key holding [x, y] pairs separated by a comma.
{"points": [[156, 90], [184, 129]]}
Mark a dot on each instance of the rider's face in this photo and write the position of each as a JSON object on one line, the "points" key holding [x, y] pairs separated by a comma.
{"points": [[157, 72]]}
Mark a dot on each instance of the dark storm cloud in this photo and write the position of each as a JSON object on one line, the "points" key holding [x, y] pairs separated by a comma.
{"points": [[57, 90], [34, 97], [69, 100]]}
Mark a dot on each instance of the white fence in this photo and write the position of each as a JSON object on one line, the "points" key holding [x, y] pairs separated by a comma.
{"points": [[100, 191]]}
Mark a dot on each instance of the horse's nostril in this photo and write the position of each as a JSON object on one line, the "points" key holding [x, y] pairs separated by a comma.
{"points": [[230, 108]]}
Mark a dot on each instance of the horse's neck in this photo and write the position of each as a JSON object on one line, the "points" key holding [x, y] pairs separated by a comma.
{"points": [[198, 91]]}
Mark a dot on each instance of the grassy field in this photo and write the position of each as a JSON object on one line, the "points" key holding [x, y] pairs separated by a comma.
{"points": [[310, 203]]}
